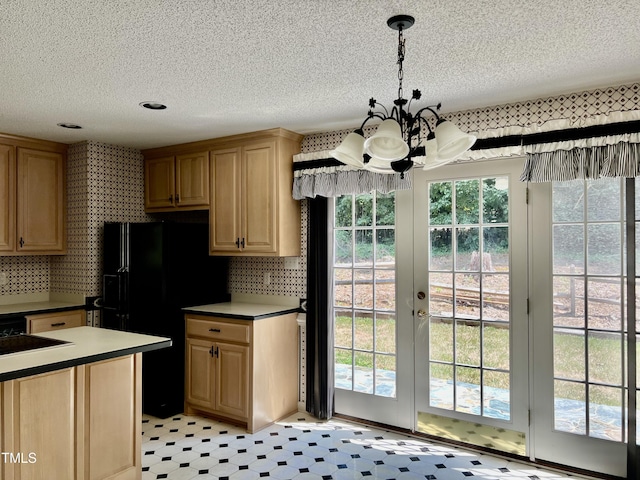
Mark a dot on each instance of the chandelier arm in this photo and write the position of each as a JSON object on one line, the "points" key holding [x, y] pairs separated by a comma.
{"points": [[431, 109], [360, 131], [386, 112]]}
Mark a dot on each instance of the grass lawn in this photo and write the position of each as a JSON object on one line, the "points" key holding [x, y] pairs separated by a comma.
{"points": [[604, 355]]}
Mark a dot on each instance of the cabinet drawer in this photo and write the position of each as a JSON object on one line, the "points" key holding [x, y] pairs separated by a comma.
{"points": [[218, 330], [55, 321]]}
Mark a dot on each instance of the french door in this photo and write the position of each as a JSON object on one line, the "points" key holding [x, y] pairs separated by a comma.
{"points": [[505, 326], [578, 283], [371, 300], [471, 324]]}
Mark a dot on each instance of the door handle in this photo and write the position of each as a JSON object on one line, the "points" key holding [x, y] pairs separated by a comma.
{"points": [[422, 314]]}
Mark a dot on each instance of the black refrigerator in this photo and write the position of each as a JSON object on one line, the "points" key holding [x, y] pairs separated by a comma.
{"points": [[152, 271]]}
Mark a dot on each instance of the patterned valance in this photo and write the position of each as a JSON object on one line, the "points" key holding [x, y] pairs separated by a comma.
{"points": [[317, 173], [557, 150]]}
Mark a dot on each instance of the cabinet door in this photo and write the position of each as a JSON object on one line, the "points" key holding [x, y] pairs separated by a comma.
{"points": [[232, 379], [40, 421], [111, 418], [199, 373], [40, 216], [192, 179], [159, 183], [259, 197], [225, 211], [7, 198]]}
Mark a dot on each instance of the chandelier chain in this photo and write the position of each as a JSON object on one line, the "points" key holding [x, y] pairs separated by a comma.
{"points": [[400, 60]]}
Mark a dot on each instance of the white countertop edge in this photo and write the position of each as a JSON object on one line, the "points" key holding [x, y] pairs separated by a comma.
{"points": [[37, 307], [88, 344]]}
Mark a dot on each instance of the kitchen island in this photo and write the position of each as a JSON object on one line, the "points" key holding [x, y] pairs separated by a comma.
{"points": [[73, 410]]}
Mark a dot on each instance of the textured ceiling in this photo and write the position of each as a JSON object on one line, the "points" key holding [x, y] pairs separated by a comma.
{"points": [[234, 66]]}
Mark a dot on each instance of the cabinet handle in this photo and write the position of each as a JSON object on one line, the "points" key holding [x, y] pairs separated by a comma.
{"points": [[171, 198], [214, 330], [215, 352], [21, 242], [242, 243], [59, 324], [238, 242], [211, 351], [177, 198]]}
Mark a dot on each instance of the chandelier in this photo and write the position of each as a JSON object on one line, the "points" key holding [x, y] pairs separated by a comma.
{"points": [[400, 137]]}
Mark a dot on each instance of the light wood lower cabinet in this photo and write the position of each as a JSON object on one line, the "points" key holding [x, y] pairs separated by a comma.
{"points": [[40, 426], [240, 370], [76, 423], [46, 322]]}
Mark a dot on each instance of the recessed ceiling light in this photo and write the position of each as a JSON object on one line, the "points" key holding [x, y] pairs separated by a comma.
{"points": [[153, 105], [70, 125]]}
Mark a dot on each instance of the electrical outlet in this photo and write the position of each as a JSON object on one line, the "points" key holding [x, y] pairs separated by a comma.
{"points": [[3, 279], [266, 278], [292, 263]]}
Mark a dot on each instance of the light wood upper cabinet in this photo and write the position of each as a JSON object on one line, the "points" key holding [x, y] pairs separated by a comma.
{"points": [[252, 211], [8, 198], [32, 197], [244, 206], [177, 182]]}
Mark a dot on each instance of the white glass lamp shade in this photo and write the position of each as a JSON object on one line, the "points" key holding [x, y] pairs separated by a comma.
{"points": [[431, 158], [452, 142], [387, 143], [379, 166], [350, 150]]}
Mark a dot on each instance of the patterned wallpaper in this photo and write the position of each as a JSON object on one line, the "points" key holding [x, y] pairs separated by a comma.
{"points": [[105, 182]]}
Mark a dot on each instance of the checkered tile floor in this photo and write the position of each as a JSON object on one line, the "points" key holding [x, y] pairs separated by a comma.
{"points": [[300, 447]]}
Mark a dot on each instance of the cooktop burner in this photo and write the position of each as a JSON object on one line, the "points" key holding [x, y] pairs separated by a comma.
{"points": [[23, 343]]}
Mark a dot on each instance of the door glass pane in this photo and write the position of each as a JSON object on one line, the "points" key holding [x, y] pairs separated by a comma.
{"points": [[605, 412], [570, 407], [467, 202], [441, 249], [441, 339], [468, 343], [441, 385], [364, 293], [441, 294], [588, 308], [568, 249], [343, 287], [568, 301], [495, 403], [469, 298], [495, 337]]}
